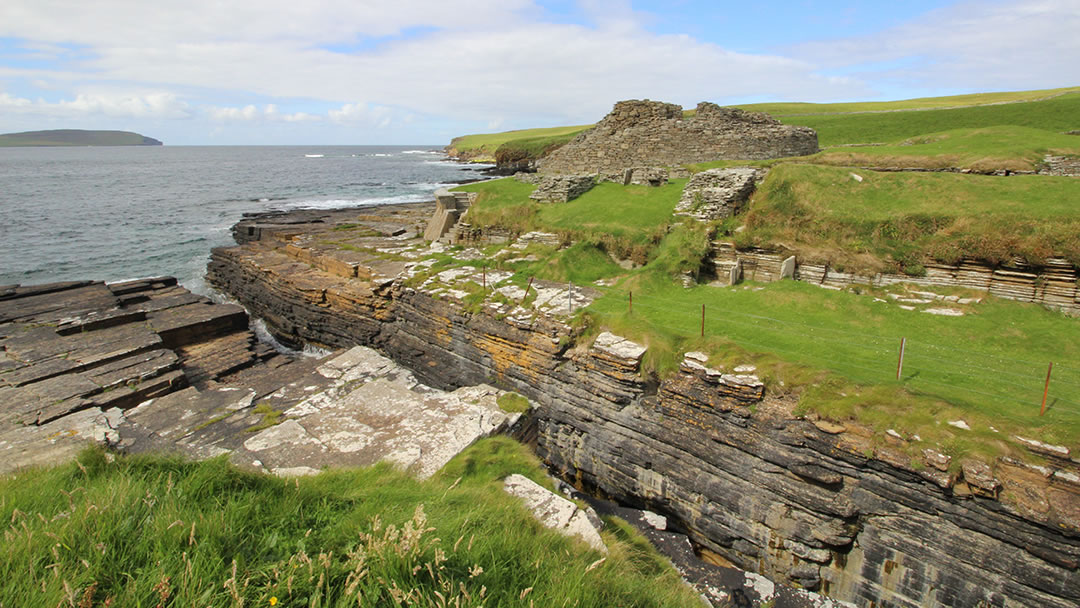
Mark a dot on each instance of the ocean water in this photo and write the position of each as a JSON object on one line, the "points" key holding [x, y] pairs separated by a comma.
{"points": [[116, 213]]}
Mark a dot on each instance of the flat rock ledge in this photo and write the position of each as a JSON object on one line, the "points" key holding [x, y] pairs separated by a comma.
{"points": [[148, 366], [556, 512], [360, 408]]}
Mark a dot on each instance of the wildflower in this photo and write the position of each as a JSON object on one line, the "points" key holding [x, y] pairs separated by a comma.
{"points": [[273, 600]]}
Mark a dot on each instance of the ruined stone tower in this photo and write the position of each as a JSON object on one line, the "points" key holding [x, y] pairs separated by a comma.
{"points": [[652, 133]]}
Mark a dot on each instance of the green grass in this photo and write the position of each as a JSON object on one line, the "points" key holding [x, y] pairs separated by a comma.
{"points": [[890, 220], [922, 103], [150, 531], [626, 221], [987, 367], [985, 149], [485, 144], [1059, 114], [513, 403], [531, 148]]}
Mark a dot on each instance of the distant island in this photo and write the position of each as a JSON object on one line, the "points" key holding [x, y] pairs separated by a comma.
{"points": [[75, 137]]}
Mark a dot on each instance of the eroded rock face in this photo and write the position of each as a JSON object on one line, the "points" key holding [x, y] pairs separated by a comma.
{"points": [[794, 500], [650, 134]]}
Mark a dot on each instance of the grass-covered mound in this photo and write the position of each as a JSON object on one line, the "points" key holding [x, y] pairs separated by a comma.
{"points": [[483, 146], [896, 221], [625, 221], [158, 531]]}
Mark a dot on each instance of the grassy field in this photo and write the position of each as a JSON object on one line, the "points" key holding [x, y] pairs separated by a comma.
{"points": [[923, 103], [983, 150], [1057, 115], [838, 351], [157, 531]]}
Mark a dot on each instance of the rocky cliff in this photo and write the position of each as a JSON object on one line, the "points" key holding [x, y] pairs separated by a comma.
{"points": [[807, 502]]}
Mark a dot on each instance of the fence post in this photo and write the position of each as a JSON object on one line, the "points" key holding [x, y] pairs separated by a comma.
{"points": [[631, 303], [527, 288], [570, 296], [1046, 389], [485, 279], [702, 320], [900, 363]]}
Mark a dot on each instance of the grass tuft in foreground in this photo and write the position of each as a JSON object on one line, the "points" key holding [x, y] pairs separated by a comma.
{"points": [[159, 531]]}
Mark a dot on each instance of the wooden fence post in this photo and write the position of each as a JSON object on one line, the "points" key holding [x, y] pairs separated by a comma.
{"points": [[527, 288], [702, 320], [1046, 389], [900, 363]]}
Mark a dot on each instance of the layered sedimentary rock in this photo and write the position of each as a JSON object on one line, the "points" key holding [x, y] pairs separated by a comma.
{"points": [[805, 502], [649, 134], [75, 356]]}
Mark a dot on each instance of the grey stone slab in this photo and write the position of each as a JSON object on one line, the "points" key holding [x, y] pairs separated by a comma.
{"points": [[55, 442]]}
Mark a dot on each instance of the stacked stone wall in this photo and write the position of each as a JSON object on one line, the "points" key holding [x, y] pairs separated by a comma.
{"points": [[649, 134]]}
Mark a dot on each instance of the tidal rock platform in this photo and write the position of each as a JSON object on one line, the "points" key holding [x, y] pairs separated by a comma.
{"points": [[147, 365]]}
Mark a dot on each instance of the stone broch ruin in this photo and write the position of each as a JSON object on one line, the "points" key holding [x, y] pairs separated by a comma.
{"points": [[652, 133]]}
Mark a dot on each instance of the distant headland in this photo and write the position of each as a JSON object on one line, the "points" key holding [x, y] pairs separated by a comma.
{"points": [[75, 137]]}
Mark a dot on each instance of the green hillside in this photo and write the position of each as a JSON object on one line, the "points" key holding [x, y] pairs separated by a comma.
{"points": [[75, 137], [834, 352]]}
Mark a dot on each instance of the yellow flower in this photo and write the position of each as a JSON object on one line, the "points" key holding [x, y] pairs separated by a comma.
{"points": [[273, 600]]}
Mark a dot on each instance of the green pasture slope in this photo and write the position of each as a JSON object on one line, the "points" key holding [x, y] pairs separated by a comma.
{"points": [[835, 353], [155, 531]]}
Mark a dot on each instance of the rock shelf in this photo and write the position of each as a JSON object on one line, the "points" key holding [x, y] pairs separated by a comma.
{"points": [[147, 365]]}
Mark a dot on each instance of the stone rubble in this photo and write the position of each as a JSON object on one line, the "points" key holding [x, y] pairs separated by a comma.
{"points": [[717, 193]]}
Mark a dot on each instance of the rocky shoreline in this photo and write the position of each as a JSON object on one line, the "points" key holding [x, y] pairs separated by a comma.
{"points": [[797, 500]]}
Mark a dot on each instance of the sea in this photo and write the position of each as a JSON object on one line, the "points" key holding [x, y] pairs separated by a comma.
{"points": [[118, 213]]}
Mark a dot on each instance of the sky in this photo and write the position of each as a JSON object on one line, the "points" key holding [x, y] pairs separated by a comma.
{"points": [[270, 72]]}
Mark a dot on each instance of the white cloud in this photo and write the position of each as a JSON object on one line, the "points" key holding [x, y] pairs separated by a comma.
{"points": [[252, 113], [150, 105], [974, 45], [493, 62], [362, 114]]}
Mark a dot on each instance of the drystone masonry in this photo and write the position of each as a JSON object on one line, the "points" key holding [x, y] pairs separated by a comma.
{"points": [[563, 188], [717, 193], [650, 133], [1055, 285]]}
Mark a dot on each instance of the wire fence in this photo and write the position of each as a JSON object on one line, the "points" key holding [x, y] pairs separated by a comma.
{"points": [[1011, 387]]}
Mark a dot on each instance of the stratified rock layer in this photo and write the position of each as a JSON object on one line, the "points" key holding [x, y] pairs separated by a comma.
{"points": [[798, 501]]}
